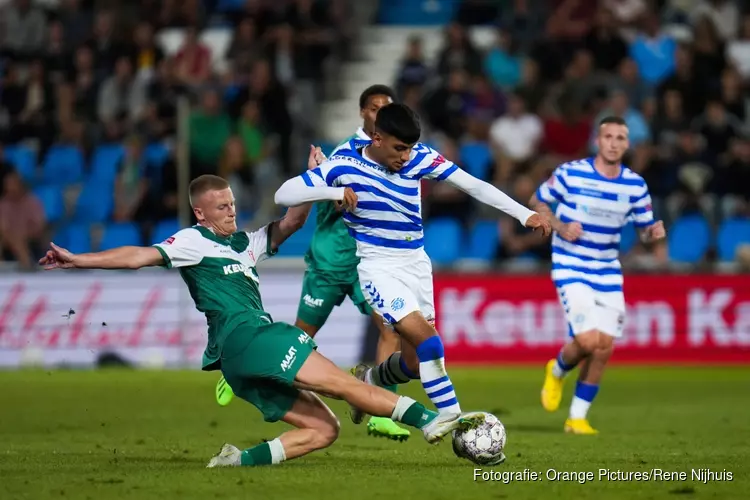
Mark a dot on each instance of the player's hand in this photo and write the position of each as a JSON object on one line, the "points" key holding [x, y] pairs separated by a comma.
{"points": [[349, 202], [539, 223], [315, 158], [655, 232], [571, 231], [57, 258]]}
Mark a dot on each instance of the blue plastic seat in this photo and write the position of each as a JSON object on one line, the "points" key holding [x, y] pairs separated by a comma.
{"points": [[95, 202], [120, 234], [156, 154], [63, 165], [689, 239], [484, 239], [476, 158], [23, 160], [164, 229], [74, 237], [442, 240], [628, 238], [732, 233], [52, 200], [105, 162]]}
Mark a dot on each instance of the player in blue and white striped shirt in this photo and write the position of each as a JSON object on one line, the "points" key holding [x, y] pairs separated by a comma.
{"points": [[596, 197], [395, 273]]}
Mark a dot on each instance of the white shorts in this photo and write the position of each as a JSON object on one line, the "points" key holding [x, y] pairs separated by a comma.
{"points": [[586, 309], [399, 288]]}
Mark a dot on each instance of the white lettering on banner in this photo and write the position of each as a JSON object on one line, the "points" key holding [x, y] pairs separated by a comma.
{"points": [[499, 322], [706, 318], [141, 315], [474, 317]]}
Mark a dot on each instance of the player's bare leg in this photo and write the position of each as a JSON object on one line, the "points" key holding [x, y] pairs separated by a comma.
{"points": [[572, 353], [224, 393], [589, 378], [320, 375], [388, 344], [316, 428]]}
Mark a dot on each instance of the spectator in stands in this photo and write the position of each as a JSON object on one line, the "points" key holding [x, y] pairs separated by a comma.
{"points": [[251, 134], [566, 134], [605, 43], [145, 54], [458, 52], [182, 13], [76, 22], [531, 88], [732, 94], [83, 86], [515, 137], [22, 222], [718, 129], [235, 167], [210, 128], [485, 102], [163, 94], [653, 51], [638, 128], [104, 45], [640, 94], [245, 47], [738, 51], [517, 241], [25, 30], [501, 63], [683, 81], [524, 20], [193, 60], [413, 70], [446, 107], [722, 13], [56, 54], [122, 100], [132, 185], [734, 179], [668, 123], [38, 105], [709, 58]]}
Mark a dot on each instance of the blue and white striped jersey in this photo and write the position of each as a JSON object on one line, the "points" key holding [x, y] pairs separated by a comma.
{"points": [[388, 218], [603, 207]]}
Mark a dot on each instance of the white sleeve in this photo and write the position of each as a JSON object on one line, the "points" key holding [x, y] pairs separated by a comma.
{"points": [[310, 186], [489, 195], [182, 249], [259, 244]]}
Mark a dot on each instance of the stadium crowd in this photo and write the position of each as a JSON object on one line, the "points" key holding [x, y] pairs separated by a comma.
{"points": [[88, 105]]}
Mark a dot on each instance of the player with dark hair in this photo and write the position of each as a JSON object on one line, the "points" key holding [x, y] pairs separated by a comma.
{"points": [[395, 273], [331, 273], [596, 198], [272, 365]]}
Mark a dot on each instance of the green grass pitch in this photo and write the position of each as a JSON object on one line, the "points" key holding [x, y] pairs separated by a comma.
{"points": [[142, 434]]}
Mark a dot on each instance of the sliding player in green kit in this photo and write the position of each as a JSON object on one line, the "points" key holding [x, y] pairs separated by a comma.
{"points": [[331, 273]]}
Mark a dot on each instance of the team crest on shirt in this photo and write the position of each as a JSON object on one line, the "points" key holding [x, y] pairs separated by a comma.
{"points": [[397, 304], [169, 240]]}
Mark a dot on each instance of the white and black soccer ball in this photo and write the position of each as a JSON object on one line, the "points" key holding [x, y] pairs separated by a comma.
{"points": [[483, 444]]}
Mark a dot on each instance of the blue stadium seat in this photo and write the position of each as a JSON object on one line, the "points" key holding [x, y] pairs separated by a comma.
{"points": [[475, 158], [74, 237], [63, 165], [120, 234], [95, 203], [156, 154], [23, 160], [164, 230], [689, 239], [484, 239], [732, 233], [417, 12], [229, 5], [442, 240], [628, 238], [106, 161], [52, 200]]}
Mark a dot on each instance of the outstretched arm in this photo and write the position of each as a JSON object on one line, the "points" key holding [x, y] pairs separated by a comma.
{"points": [[116, 258], [302, 189], [490, 195]]}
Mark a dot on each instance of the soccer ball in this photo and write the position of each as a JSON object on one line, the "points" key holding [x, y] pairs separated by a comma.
{"points": [[483, 444]]}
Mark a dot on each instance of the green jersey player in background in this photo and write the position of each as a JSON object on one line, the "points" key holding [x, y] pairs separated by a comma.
{"points": [[272, 365], [331, 273]]}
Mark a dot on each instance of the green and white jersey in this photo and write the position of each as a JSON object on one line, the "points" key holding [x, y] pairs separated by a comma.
{"points": [[332, 250], [221, 277]]}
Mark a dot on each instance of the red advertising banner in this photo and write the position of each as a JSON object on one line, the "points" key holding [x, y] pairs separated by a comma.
{"points": [[669, 319]]}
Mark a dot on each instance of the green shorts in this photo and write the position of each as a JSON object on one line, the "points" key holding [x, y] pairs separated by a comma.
{"points": [[260, 360], [321, 293]]}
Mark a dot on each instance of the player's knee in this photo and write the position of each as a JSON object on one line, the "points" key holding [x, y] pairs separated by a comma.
{"points": [[588, 341], [326, 434]]}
